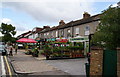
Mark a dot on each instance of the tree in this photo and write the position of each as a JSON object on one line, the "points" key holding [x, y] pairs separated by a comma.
{"points": [[8, 31], [108, 32]]}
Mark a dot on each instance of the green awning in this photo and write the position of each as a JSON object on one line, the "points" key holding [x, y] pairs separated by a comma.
{"points": [[51, 39]]}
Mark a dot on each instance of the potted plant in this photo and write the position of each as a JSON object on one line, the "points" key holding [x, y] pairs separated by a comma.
{"points": [[47, 51], [35, 52]]}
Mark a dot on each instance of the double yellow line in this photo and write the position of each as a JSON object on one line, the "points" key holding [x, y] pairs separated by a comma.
{"points": [[8, 66]]}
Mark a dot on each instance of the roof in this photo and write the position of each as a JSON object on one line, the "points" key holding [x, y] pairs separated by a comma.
{"points": [[24, 33], [82, 21], [37, 30], [73, 23], [44, 30]]}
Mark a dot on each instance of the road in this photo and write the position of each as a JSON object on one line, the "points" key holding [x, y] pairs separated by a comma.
{"points": [[6, 67], [0, 68], [71, 66]]}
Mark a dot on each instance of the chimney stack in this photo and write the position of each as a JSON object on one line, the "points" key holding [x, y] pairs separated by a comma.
{"points": [[61, 22], [46, 27], [86, 15]]}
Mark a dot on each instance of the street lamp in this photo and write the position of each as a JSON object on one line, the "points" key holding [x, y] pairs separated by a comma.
{"points": [[90, 36]]}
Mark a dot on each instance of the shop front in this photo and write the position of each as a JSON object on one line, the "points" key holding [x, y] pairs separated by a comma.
{"points": [[82, 39]]}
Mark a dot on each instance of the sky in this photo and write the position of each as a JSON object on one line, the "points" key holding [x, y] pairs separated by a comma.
{"points": [[27, 14]]}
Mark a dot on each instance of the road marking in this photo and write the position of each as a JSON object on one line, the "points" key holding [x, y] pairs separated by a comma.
{"points": [[8, 66], [3, 67]]}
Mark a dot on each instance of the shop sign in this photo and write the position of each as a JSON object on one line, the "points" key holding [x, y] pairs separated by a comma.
{"points": [[78, 39]]}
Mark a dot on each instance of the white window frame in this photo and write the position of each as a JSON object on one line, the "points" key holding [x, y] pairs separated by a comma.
{"points": [[87, 30], [62, 34], [56, 33], [77, 30]]}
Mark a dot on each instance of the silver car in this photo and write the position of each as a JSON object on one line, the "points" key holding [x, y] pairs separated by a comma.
{"points": [[2, 49]]}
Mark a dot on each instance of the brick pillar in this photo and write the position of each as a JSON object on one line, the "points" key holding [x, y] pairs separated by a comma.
{"points": [[96, 62], [118, 62]]}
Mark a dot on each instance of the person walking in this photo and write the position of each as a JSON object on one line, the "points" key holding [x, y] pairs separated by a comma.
{"points": [[16, 48], [10, 50]]}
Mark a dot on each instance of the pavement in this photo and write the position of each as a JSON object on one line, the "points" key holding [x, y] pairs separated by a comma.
{"points": [[26, 64], [71, 66]]}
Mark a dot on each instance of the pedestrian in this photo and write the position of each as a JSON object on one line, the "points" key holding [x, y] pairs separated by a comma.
{"points": [[16, 47], [10, 50]]}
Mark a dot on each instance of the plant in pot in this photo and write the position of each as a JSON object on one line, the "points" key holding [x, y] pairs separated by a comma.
{"points": [[56, 52], [42, 52], [47, 51], [29, 52], [35, 52]]}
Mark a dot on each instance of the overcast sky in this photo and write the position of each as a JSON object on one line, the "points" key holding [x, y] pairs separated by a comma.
{"points": [[25, 14]]}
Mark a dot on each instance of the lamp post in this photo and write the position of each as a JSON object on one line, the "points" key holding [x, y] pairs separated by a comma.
{"points": [[90, 36], [88, 56]]}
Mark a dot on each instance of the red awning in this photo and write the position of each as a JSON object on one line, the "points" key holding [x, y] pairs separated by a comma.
{"points": [[62, 40], [26, 40]]}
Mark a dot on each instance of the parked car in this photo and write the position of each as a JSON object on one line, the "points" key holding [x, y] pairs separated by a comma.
{"points": [[3, 50], [20, 46]]}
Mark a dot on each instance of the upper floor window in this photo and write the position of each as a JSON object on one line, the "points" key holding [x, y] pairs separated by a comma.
{"points": [[41, 35], [87, 28], [52, 33], [56, 33], [47, 34], [68, 33], [77, 30], [44, 34], [61, 32], [68, 30]]}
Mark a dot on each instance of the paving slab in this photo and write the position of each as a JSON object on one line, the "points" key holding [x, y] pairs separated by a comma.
{"points": [[26, 64]]}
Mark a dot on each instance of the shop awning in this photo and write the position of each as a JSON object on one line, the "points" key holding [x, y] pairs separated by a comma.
{"points": [[62, 40], [51, 39], [26, 40]]}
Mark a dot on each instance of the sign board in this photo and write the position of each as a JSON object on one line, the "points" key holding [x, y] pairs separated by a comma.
{"points": [[79, 39]]}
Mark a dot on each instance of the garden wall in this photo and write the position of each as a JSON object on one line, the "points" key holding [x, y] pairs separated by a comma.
{"points": [[96, 62]]}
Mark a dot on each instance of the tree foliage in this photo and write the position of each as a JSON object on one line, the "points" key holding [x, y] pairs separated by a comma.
{"points": [[8, 31], [108, 32]]}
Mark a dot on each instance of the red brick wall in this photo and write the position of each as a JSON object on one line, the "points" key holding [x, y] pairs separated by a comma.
{"points": [[96, 62]]}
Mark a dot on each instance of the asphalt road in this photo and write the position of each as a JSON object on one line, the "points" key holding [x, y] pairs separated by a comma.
{"points": [[71, 66], [0, 67], [9, 71]]}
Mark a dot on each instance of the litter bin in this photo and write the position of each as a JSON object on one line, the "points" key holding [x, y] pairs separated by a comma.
{"points": [[87, 67]]}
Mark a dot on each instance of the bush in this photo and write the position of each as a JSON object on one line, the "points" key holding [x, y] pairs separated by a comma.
{"points": [[35, 52], [47, 50], [75, 47]]}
